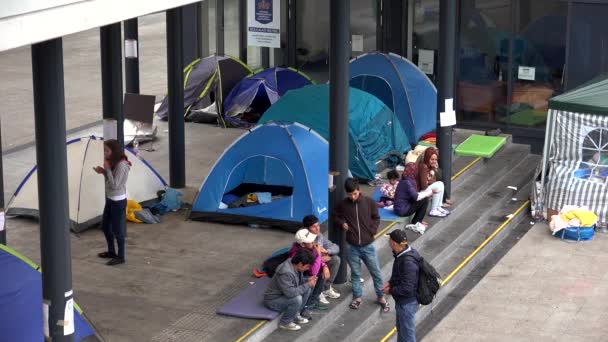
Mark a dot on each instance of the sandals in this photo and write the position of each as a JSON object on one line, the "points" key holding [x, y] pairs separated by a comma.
{"points": [[355, 304], [386, 307]]}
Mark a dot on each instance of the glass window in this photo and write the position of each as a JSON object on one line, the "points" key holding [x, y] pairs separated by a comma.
{"points": [[594, 165], [588, 46], [539, 53], [485, 31]]}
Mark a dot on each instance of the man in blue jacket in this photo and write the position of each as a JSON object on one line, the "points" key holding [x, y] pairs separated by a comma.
{"points": [[403, 285]]}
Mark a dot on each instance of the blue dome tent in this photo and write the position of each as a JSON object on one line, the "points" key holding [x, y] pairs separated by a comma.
{"points": [[272, 175], [21, 317], [398, 83], [374, 131], [252, 96]]}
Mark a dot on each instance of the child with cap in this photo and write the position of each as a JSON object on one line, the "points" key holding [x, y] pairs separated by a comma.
{"points": [[305, 240], [403, 285]]}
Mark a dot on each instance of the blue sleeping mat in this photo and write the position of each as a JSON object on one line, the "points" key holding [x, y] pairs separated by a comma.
{"points": [[249, 303], [385, 214]]}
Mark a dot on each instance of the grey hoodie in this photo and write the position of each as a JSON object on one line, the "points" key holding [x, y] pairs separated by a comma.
{"points": [[286, 282], [116, 180], [330, 247]]}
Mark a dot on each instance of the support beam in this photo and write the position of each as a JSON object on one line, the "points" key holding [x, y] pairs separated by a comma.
{"points": [[3, 226], [292, 59], [203, 9], [175, 77], [265, 52], [111, 82], [243, 30], [190, 32], [445, 90], [219, 27], [51, 156], [131, 62], [339, 55]]}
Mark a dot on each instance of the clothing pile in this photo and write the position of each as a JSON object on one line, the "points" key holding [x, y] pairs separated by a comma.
{"points": [[253, 198], [572, 216]]}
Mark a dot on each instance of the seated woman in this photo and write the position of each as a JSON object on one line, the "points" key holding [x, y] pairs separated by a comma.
{"points": [[408, 200], [427, 179]]}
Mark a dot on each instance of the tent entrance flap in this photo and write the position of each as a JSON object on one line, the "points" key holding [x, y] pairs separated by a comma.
{"points": [[375, 85]]}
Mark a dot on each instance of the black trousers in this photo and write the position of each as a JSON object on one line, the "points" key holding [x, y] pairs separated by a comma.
{"points": [[418, 209]]}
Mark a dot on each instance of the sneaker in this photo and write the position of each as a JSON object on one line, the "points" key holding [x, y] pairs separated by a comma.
{"points": [[322, 299], [437, 213], [418, 228], [317, 307], [115, 261], [306, 314], [291, 326], [445, 211], [331, 293], [301, 320]]}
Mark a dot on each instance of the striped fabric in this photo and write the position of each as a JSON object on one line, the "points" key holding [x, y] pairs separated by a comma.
{"points": [[565, 156]]}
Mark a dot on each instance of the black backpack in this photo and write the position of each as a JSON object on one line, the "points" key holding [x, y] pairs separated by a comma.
{"points": [[428, 282], [270, 265]]}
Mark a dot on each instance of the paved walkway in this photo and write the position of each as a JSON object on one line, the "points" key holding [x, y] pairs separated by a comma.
{"points": [[544, 289]]}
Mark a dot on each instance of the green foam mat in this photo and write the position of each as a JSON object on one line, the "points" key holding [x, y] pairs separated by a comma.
{"points": [[480, 146], [527, 118]]}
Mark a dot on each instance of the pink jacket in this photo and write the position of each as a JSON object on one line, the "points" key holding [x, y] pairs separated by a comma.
{"points": [[316, 266]]}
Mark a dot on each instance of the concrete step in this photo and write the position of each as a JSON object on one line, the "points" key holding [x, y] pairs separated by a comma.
{"points": [[438, 248], [336, 323]]}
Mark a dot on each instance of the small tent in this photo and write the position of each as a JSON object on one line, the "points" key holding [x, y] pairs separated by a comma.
{"points": [[374, 131], [402, 87], [21, 314], [86, 188], [206, 82], [272, 175], [574, 168], [252, 96]]}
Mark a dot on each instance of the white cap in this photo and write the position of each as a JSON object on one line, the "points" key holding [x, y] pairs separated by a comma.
{"points": [[305, 236]]}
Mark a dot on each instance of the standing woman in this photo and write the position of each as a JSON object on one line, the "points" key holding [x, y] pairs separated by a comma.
{"points": [[115, 169]]}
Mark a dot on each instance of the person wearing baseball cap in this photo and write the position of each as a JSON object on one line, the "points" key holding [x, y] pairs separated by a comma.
{"points": [[305, 240], [403, 285]]}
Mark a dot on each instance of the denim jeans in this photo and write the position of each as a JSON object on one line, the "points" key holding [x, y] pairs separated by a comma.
{"points": [[313, 299], [367, 254], [438, 197], [290, 307], [334, 266], [406, 321], [113, 224]]}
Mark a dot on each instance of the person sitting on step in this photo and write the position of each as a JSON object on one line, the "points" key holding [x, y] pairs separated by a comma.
{"points": [[305, 240], [329, 255], [408, 201], [427, 180], [289, 290], [387, 190]]}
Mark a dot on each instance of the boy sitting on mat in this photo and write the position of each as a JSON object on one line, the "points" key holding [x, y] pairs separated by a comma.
{"points": [[288, 290]]}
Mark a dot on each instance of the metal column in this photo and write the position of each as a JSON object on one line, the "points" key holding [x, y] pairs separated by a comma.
{"points": [[243, 30], [3, 227], [190, 32], [51, 156], [111, 81], [132, 62], [339, 55], [292, 37], [445, 89], [175, 77], [219, 27]]}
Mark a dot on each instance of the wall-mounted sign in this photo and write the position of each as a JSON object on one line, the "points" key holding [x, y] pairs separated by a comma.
{"points": [[426, 61], [264, 23], [526, 73], [11, 8], [357, 43]]}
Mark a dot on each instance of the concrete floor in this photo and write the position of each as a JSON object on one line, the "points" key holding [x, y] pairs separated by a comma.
{"points": [[544, 289]]}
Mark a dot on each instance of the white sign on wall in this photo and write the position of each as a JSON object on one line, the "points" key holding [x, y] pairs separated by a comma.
{"points": [[426, 61], [264, 23], [526, 73], [357, 43]]}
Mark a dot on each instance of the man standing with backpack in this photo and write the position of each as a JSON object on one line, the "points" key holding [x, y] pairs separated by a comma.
{"points": [[403, 285]]}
